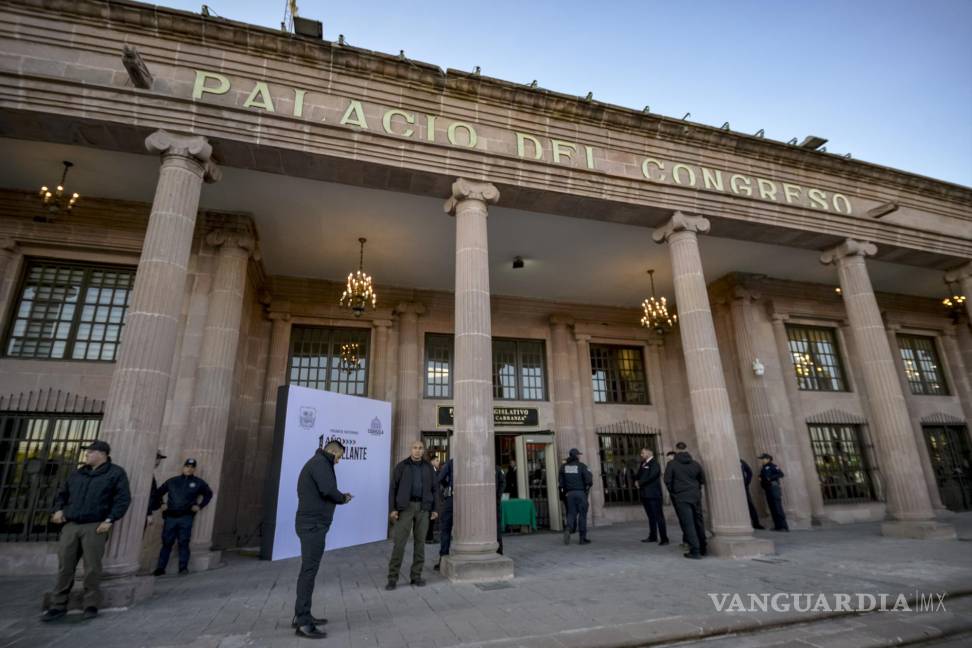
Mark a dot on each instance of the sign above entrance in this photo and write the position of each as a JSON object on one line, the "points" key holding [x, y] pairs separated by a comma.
{"points": [[502, 416], [393, 121]]}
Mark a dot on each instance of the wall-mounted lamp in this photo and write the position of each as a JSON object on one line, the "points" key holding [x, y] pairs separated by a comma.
{"points": [[758, 367], [517, 263]]}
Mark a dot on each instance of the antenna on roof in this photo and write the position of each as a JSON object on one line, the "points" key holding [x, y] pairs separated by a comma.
{"points": [[760, 133], [686, 116], [476, 71], [647, 109], [341, 40], [792, 142], [589, 97], [725, 126], [290, 12], [533, 84]]}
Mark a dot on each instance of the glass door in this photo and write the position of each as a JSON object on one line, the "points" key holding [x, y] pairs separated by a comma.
{"points": [[951, 458]]}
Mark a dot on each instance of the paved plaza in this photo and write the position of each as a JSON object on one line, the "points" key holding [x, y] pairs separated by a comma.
{"points": [[614, 592]]}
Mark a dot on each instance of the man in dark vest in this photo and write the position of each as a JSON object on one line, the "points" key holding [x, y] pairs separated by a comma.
{"points": [[184, 495], [317, 495], [575, 483], [649, 489], [769, 478], [411, 498], [747, 473], [684, 479]]}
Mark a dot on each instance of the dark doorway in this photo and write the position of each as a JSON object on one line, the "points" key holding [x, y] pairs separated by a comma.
{"points": [[951, 459], [536, 459]]}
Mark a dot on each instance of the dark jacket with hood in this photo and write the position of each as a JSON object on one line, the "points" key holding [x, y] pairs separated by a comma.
{"points": [[317, 491], [400, 491], [684, 478], [94, 494]]}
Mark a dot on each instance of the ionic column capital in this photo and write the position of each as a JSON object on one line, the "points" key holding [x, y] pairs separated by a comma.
{"points": [[892, 327], [410, 308], [744, 294], [230, 240], [582, 338], [559, 319], [463, 189], [8, 244], [959, 273], [681, 222], [849, 248], [278, 316], [191, 147], [381, 323]]}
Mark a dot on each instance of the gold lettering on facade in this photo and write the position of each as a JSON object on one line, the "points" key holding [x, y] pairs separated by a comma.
{"points": [[741, 185], [818, 199], [259, 97], [843, 200], [712, 179], [660, 165], [681, 167], [521, 139], [354, 115], [471, 137], [767, 190], [430, 128], [386, 121], [200, 87], [590, 156], [792, 192], [562, 149], [299, 102]]}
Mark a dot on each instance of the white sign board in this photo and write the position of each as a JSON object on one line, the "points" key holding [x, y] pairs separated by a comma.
{"points": [[363, 425]]}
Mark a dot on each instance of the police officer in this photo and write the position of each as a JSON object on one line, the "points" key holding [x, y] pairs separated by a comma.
{"points": [[185, 496], [575, 482], [769, 478], [747, 474], [684, 479], [445, 519], [649, 489]]}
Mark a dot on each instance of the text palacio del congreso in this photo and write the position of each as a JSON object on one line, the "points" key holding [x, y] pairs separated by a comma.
{"points": [[530, 272]]}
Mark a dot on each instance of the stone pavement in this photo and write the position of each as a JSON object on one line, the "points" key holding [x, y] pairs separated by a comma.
{"points": [[614, 592]]}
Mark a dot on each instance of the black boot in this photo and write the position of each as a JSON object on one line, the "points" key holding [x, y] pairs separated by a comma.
{"points": [[310, 631]]}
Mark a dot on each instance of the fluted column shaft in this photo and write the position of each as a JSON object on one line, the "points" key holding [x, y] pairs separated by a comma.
{"points": [[585, 423], [407, 412], [563, 392], [10, 257], [209, 416], [892, 431], [959, 371], [770, 419], [711, 411], [379, 359], [136, 398]]}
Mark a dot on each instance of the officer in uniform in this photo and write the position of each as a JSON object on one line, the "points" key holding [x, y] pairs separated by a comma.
{"points": [[185, 496], [575, 483], [747, 474], [769, 478]]}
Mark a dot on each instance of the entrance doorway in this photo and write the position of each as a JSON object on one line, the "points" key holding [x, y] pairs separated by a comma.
{"points": [[530, 464], [951, 459]]}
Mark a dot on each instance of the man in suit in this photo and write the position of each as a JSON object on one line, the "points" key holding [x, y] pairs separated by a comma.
{"points": [[769, 478], [747, 473], [649, 489]]}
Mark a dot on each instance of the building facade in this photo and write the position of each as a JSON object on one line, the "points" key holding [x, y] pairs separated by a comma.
{"points": [[226, 172]]}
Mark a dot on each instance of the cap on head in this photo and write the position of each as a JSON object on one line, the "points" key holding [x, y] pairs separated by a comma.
{"points": [[765, 456], [190, 462], [680, 446], [100, 446], [574, 452]]}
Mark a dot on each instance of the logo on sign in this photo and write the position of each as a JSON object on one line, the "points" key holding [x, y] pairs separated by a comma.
{"points": [[308, 415], [375, 427]]}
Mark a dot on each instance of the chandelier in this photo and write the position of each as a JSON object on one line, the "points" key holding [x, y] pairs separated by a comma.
{"points": [[58, 200], [350, 357], [955, 304], [657, 315], [359, 292]]}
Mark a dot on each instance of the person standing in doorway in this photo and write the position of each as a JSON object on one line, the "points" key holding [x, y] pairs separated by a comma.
{"points": [[769, 478], [684, 479], [445, 517], [747, 474], [412, 502], [575, 483], [317, 495], [94, 497], [500, 488], [512, 485], [434, 525], [184, 495], [650, 492]]}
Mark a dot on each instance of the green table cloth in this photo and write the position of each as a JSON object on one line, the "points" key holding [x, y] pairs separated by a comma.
{"points": [[518, 512]]}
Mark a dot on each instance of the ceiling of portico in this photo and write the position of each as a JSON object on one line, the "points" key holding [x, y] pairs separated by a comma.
{"points": [[309, 228]]}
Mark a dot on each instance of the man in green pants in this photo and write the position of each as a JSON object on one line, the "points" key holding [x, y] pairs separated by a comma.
{"points": [[411, 499]]}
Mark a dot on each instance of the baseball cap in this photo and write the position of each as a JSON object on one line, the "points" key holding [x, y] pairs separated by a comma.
{"points": [[101, 446], [190, 462], [574, 452]]}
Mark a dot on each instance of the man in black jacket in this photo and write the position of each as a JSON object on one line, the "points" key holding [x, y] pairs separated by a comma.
{"points": [[575, 482], [155, 501], [411, 498], [444, 479], [184, 495], [769, 478], [684, 479], [93, 498], [649, 489], [747, 474], [317, 495]]}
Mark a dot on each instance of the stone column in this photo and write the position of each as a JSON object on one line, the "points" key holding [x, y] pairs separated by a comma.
{"points": [[909, 507], [963, 275], [801, 434], [209, 415], [770, 418], [563, 392], [136, 398], [10, 258], [959, 372], [379, 360], [409, 379], [586, 423], [915, 420], [729, 514], [474, 545]]}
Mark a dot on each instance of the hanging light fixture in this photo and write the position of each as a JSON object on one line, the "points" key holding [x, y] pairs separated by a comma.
{"points": [[955, 303], [657, 315], [350, 357], [57, 200], [359, 292]]}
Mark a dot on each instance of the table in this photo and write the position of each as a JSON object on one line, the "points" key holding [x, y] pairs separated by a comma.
{"points": [[518, 512]]}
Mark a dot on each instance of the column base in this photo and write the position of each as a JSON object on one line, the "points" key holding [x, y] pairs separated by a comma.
{"points": [[120, 592], [919, 530], [736, 547], [205, 560], [460, 568], [801, 524]]}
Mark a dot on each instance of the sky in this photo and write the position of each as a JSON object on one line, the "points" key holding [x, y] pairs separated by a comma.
{"points": [[888, 81]]}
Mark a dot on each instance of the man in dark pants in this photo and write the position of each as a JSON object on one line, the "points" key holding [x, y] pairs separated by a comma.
{"points": [[185, 496], [500, 489], [669, 458], [317, 495], [769, 478], [747, 473], [575, 482], [445, 520], [155, 501], [412, 502], [93, 498], [512, 486], [684, 479], [649, 489]]}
